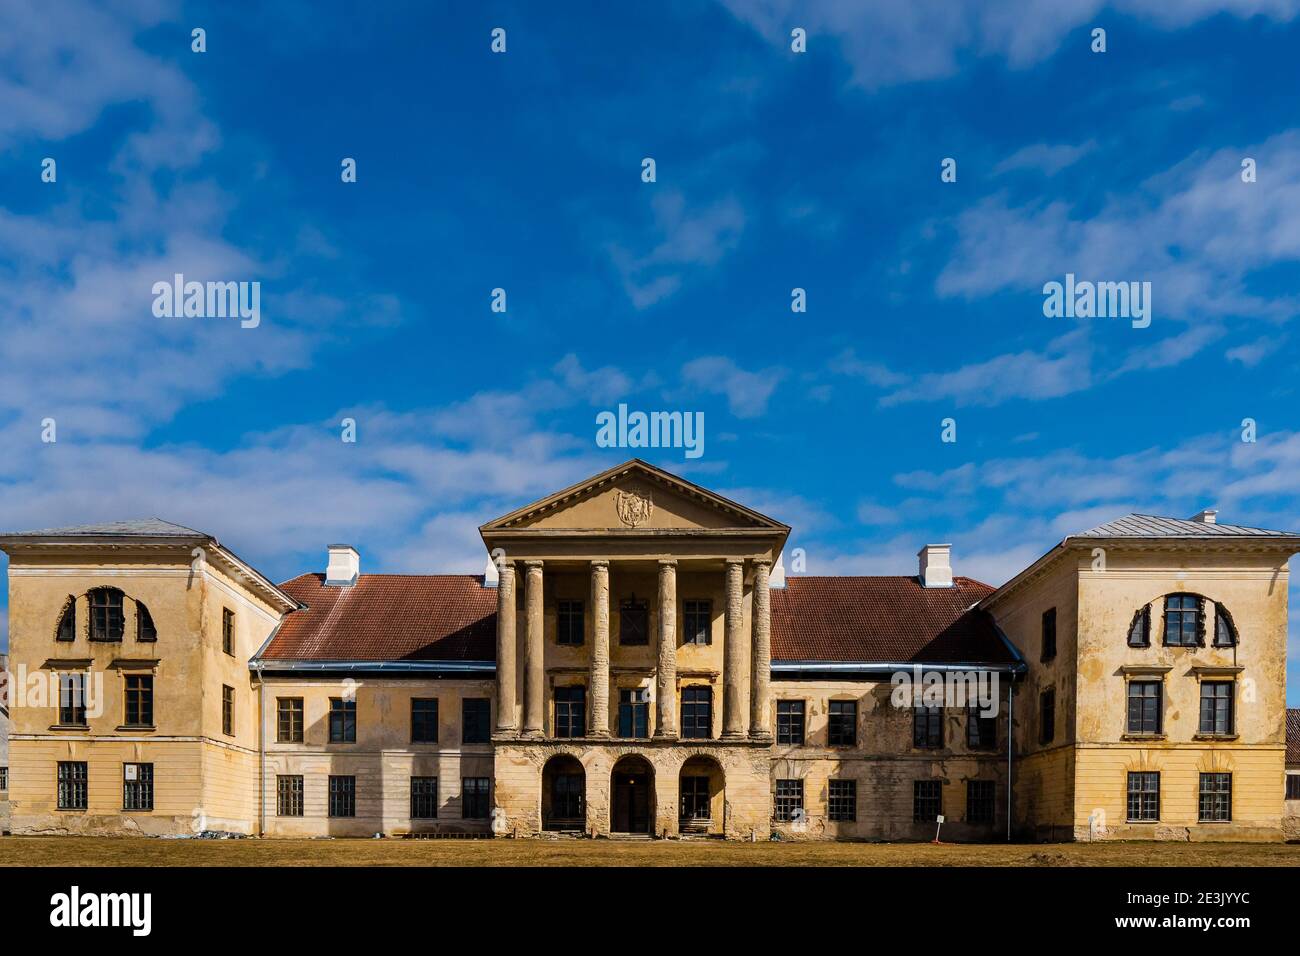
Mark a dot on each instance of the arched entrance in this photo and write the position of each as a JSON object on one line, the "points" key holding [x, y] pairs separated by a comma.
{"points": [[632, 808], [564, 794], [702, 797]]}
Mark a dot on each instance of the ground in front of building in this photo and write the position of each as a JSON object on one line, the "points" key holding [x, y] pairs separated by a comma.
{"points": [[119, 851]]}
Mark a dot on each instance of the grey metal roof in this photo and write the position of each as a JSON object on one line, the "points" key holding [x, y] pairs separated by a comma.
{"points": [[141, 527], [1154, 526]]}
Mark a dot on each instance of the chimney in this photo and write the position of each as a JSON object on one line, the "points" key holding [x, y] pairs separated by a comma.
{"points": [[936, 571], [1207, 516], [344, 566]]}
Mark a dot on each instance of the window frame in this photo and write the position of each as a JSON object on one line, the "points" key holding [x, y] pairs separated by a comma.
{"points": [[228, 710], [139, 791], [1143, 794], [1219, 798], [1223, 623], [481, 722], [343, 720], [837, 717], [787, 797], [1193, 615], [842, 807], [1047, 647], [290, 795], [790, 722], [294, 710], [981, 801], [1158, 701], [1047, 716], [1139, 629], [927, 728], [701, 712], [73, 785], [228, 631], [72, 689], [697, 621], [976, 726], [137, 700], [428, 713], [1226, 702], [570, 614], [424, 797], [106, 618], [146, 632], [341, 796], [469, 800], [639, 609], [67, 616], [570, 704], [922, 799], [632, 709]]}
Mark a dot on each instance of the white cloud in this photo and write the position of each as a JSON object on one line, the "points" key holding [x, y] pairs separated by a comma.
{"points": [[1044, 158], [747, 392]]}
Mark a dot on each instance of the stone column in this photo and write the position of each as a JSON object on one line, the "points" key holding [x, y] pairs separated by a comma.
{"points": [[666, 688], [599, 649], [760, 668], [735, 652], [507, 719], [534, 674]]}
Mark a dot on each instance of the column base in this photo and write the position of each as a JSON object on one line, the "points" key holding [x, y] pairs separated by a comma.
{"points": [[531, 734], [734, 735], [601, 734], [763, 735], [664, 735]]}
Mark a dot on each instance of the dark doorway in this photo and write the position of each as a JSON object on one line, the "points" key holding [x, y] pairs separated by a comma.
{"points": [[632, 811], [564, 785]]}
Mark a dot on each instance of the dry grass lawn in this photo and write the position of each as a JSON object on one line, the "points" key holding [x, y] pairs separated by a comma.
{"points": [[107, 851]]}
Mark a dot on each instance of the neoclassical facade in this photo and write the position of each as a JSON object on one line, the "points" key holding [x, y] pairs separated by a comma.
{"points": [[637, 660]]}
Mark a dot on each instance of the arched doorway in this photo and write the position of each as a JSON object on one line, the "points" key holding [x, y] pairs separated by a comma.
{"points": [[564, 794], [702, 797], [632, 808]]}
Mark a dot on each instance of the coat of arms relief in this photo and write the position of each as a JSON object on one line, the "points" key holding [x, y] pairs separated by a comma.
{"points": [[633, 509]]}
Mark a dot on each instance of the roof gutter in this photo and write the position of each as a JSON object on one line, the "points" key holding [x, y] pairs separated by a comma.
{"points": [[891, 667], [395, 667]]}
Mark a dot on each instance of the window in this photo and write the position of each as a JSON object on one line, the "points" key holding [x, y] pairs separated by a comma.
{"points": [[139, 700], [1216, 798], [634, 712], [474, 797], [1049, 634], [789, 798], [1183, 620], [288, 723], [137, 786], [566, 796], [474, 718], [1225, 632], [570, 711], [842, 723], [979, 801], [1293, 786], [633, 622], [842, 801], [789, 721], [72, 700], [568, 623], [68, 621], [72, 784], [288, 796], [1143, 797], [1139, 631], [926, 800], [107, 622], [4, 778], [228, 631], [927, 727], [697, 712], [144, 629], [424, 798], [343, 720], [981, 731], [424, 720], [1144, 709], [1216, 707], [228, 710], [1047, 716], [695, 803], [697, 622], [343, 796]]}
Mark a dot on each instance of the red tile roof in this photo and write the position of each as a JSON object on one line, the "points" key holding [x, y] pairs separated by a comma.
{"points": [[1293, 736], [452, 617], [389, 617], [883, 619]]}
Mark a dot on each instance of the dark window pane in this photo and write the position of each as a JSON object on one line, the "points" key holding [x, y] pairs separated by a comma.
{"points": [[137, 786], [1143, 797], [289, 720], [144, 629], [842, 723], [981, 731], [424, 720], [68, 621], [1049, 634], [107, 620], [570, 711], [697, 713], [1216, 798], [633, 622], [1216, 707], [927, 727], [288, 796], [343, 720], [789, 721], [343, 796], [73, 789], [926, 800], [789, 798], [569, 623], [1144, 707], [474, 793], [72, 700], [842, 800], [475, 720], [139, 700], [634, 712], [979, 801], [424, 798], [697, 622]]}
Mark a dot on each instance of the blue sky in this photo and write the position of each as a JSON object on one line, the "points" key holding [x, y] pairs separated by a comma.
{"points": [[775, 170]]}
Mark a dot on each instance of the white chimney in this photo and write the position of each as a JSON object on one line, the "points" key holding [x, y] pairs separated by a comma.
{"points": [[777, 578], [491, 575], [1207, 516], [344, 566], [936, 569]]}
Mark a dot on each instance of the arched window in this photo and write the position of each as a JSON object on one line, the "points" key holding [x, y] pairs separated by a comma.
{"points": [[1225, 632], [1139, 632], [144, 629], [68, 621], [1184, 620], [107, 622]]}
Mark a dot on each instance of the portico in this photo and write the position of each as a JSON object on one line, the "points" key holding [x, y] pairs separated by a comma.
{"points": [[642, 628]]}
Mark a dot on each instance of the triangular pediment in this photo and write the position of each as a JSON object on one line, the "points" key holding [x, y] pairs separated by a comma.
{"points": [[635, 497]]}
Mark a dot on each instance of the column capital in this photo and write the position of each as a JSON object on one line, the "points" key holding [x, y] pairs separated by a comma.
{"points": [[667, 562], [761, 563], [534, 563], [599, 562], [739, 561]]}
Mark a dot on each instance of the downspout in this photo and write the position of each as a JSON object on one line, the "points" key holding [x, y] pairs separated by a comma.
{"points": [[1011, 698], [261, 754]]}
